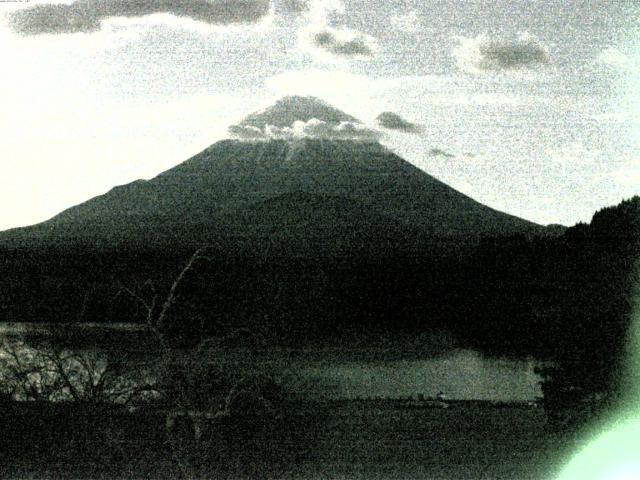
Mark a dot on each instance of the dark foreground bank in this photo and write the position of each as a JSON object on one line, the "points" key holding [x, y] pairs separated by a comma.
{"points": [[349, 439]]}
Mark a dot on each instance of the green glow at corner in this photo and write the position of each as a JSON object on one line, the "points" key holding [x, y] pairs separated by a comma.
{"points": [[615, 454]]}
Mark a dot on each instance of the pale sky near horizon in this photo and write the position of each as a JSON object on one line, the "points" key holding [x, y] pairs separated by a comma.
{"points": [[532, 108]]}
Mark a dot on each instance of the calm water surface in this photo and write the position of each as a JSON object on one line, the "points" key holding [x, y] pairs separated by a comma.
{"points": [[459, 374]]}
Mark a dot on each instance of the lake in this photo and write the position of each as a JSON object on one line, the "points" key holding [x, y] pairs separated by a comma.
{"points": [[363, 373], [459, 374]]}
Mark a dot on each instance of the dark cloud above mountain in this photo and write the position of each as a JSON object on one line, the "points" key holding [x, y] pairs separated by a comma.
{"points": [[439, 152], [343, 43], [487, 53], [512, 54], [294, 6], [87, 15], [393, 121]]}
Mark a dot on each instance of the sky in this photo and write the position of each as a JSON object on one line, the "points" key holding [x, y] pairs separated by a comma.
{"points": [[532, 108]]}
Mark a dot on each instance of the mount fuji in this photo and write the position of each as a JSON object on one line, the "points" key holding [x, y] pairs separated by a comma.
{"points": [[305, 168], [309, 221]]}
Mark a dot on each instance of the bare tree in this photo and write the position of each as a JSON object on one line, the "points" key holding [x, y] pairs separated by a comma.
{"points": [[156, 314], [53, 374]]}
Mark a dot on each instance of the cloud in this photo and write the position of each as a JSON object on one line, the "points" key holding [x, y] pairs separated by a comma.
{"points": [[87, 15], [341, 43], [322, 40], [314, 128], [408, 22], [354, 131], [485, 53], [294, 6], [316, 11], [393, 121], [438, 152], [246, 132], [613, 57]]}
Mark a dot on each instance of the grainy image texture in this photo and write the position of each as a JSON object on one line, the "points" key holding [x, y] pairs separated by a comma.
{"points": [[319, 239]]}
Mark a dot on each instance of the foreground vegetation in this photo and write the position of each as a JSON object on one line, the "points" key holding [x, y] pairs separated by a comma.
{"points": [[309, 440], [186, 414]]}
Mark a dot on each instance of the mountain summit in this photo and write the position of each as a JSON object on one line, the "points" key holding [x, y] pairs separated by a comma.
{"points": [[295, 117], [294, 108]]}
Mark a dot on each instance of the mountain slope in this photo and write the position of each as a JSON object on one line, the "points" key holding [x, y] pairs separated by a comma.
{"points": [[206, 191]]}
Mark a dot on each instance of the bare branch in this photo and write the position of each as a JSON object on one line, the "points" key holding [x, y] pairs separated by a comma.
{"points": [[171, 297]]}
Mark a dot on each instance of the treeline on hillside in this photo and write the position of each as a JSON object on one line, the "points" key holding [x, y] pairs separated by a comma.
{"points": [[548, 297]]}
